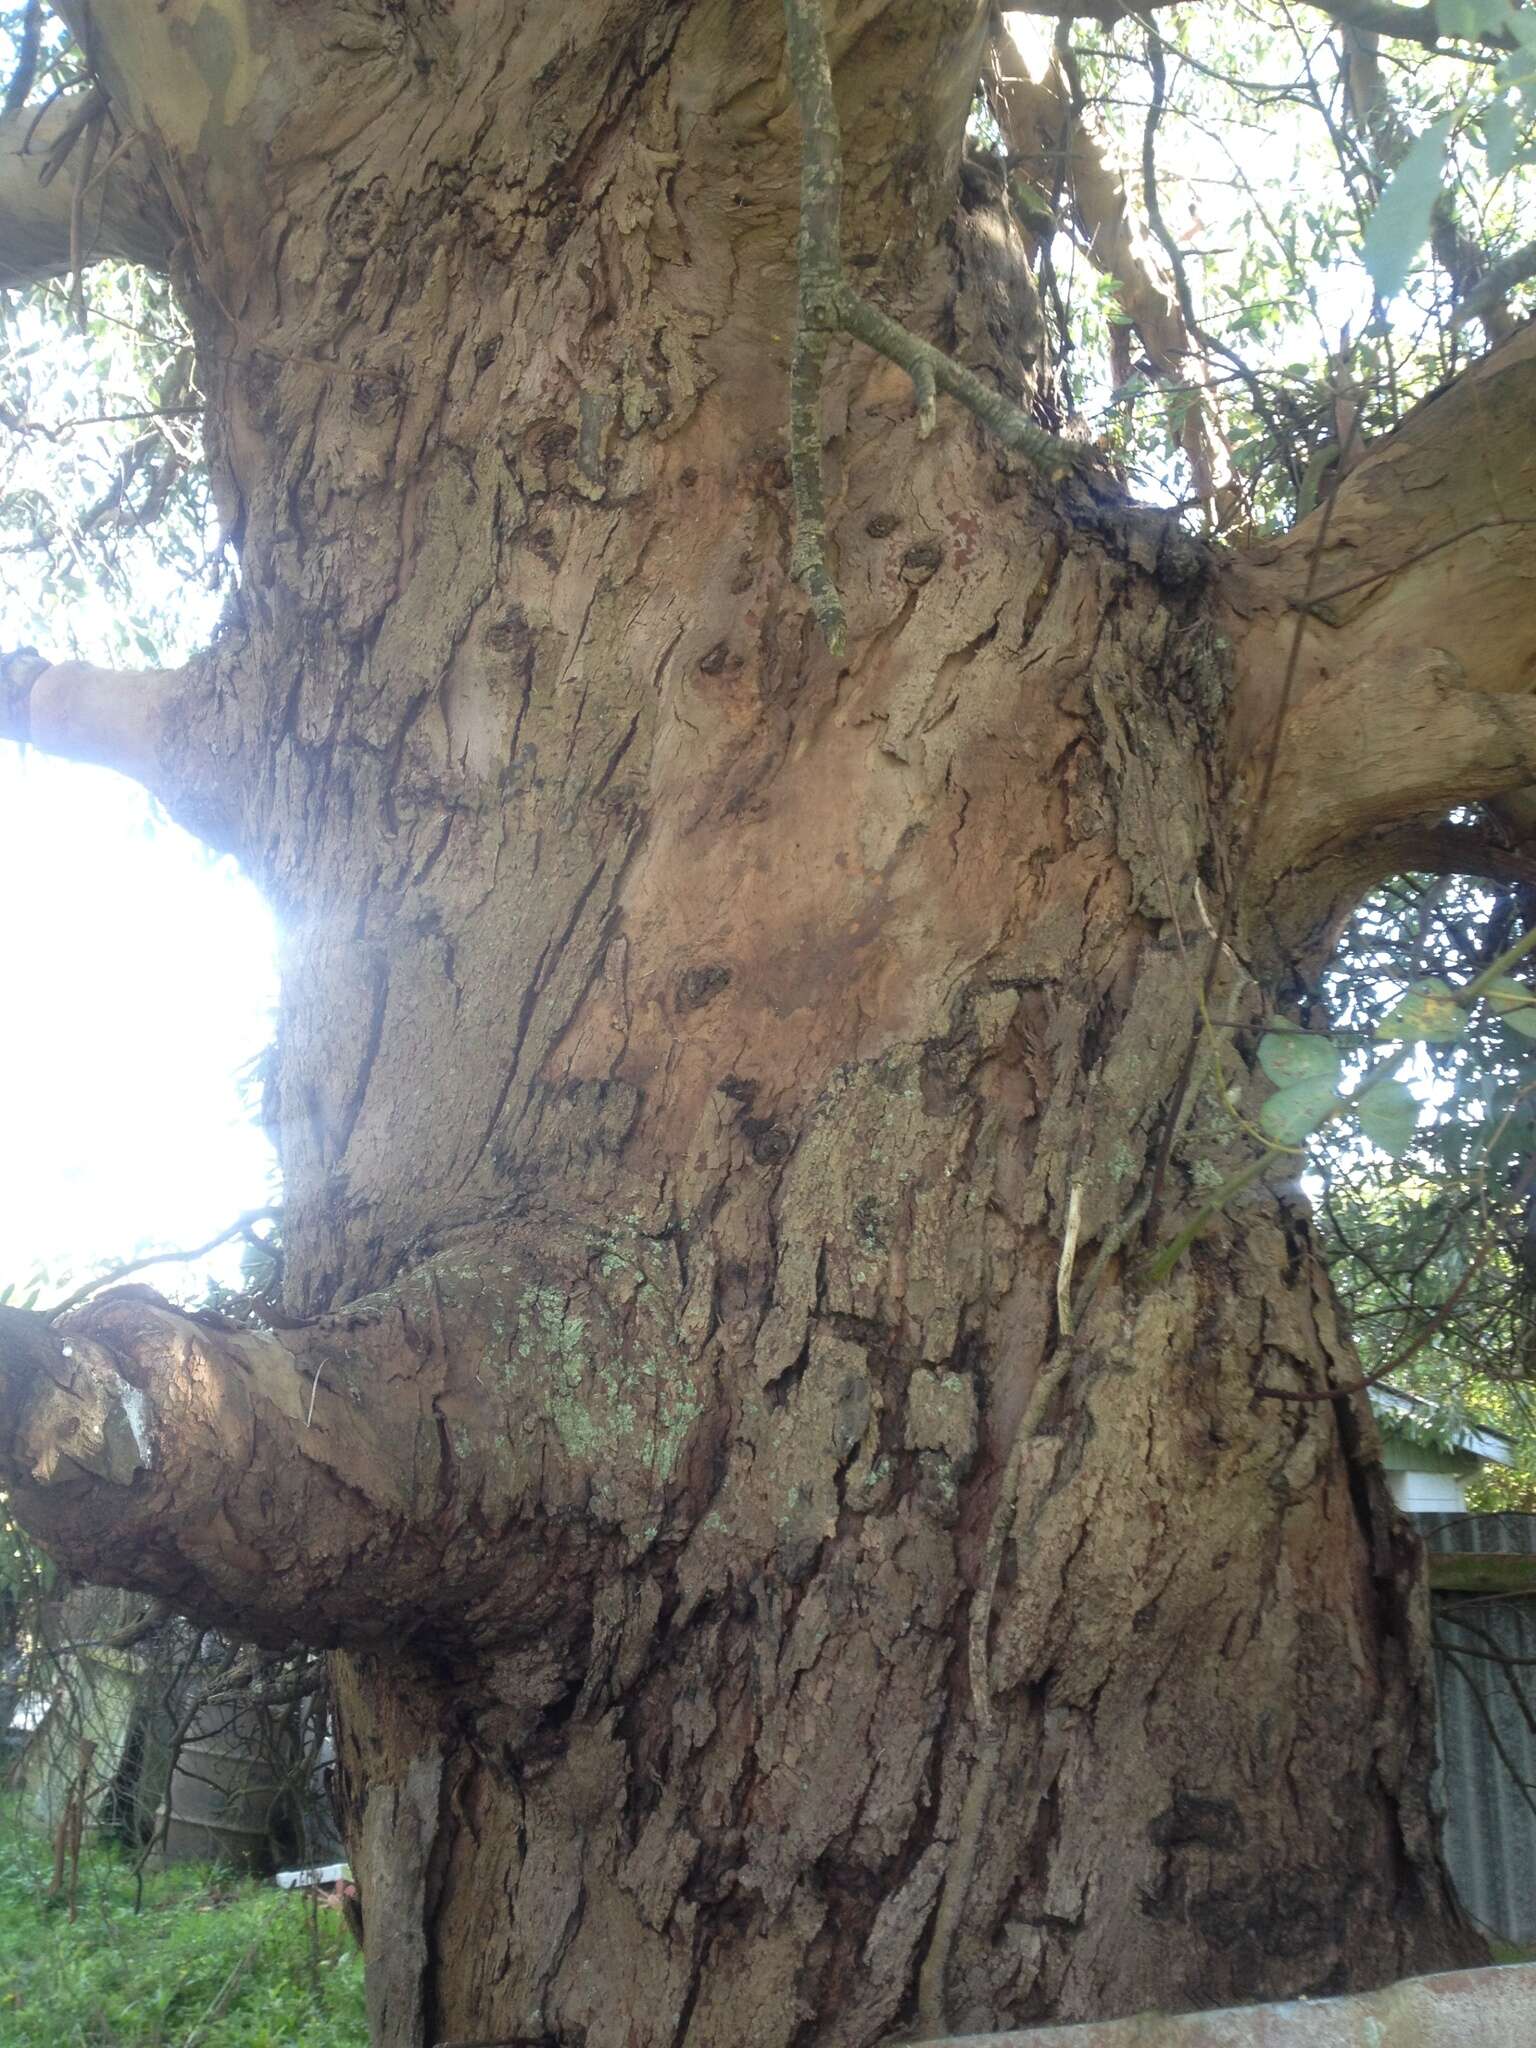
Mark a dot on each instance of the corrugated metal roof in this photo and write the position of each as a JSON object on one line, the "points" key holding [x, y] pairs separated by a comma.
{"points": [[1487, 1733]]}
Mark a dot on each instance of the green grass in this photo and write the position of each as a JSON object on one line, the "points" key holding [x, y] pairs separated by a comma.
{"points": [[210, 1961]]}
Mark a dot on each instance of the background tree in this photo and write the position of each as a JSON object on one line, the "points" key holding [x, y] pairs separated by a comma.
{"points": [[782, 888]]}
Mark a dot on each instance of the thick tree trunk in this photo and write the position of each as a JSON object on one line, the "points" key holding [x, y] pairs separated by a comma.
{"points": [[724, 1052], [708, 1075]]}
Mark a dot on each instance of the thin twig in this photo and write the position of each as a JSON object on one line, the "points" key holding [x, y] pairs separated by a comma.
{"points": [[1068, 1260], [238, 1228], [220, 2005], [829, 305]]}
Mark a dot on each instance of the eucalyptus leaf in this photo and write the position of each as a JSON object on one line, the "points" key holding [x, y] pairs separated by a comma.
{"points": [[1389, 1112], [1399, 226], [1295, 1112], [1428, 1011], [1501, 138], [1288, 1056], [1514, 1003]]}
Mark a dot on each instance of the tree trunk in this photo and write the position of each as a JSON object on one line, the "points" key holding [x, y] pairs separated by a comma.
{"points": [[709, 1074]]}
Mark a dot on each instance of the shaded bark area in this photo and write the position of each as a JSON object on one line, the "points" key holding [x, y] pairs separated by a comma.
{"points": [[692, 1050]]}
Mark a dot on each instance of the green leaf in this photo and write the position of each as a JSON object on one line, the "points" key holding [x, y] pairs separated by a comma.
{"points": [[1288, 1056], [1429, 1011], [1297, 1111], [1397, 228], [1388, 1113], [1514, 1003], [1500, 138]]}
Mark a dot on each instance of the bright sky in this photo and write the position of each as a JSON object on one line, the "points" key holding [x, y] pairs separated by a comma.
{"points": [[138, 974], [140, 981]]}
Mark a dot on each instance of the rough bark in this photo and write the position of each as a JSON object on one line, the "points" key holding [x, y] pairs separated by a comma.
{"points": [[705, 1068]]}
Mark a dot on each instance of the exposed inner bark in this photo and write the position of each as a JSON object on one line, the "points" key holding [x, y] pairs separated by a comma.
{"points": [[690, 1050]]}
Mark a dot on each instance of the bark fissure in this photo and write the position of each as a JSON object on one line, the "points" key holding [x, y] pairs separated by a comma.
{"points": [[692, 1052]]}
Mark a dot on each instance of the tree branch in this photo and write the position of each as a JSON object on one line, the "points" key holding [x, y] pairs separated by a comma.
{"points": [[1376, 17], [1413, 682], [1447, 849], [1487, 295], [166, 728], [117, 718], [155, 1450], [28, 45], [121, 214], [828, 304], [461, 1452]]}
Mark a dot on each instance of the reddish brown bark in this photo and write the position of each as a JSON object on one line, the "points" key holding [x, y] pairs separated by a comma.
{"points": [[692, 1052]]}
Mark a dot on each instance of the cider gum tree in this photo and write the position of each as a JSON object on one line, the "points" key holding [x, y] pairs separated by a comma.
{"points": [[789, 1575]]}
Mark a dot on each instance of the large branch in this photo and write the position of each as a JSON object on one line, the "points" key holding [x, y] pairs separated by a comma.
{"points": [[170, 729], [145, 1448], [50, 221], [1402, 617], [455, 1455], [1375, 17]]}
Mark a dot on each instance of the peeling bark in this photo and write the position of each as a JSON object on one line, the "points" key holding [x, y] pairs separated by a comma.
{"points": [[692, 1051]]}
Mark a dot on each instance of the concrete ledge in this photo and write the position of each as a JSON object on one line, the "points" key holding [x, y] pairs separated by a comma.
{"points": [[1493, 2008]]}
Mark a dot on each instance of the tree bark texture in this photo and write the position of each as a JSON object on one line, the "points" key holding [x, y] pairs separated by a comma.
{"points": [[706, 1067]]}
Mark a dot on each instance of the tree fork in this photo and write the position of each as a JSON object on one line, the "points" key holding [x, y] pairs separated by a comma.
{"points": [[747, 1041]]}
